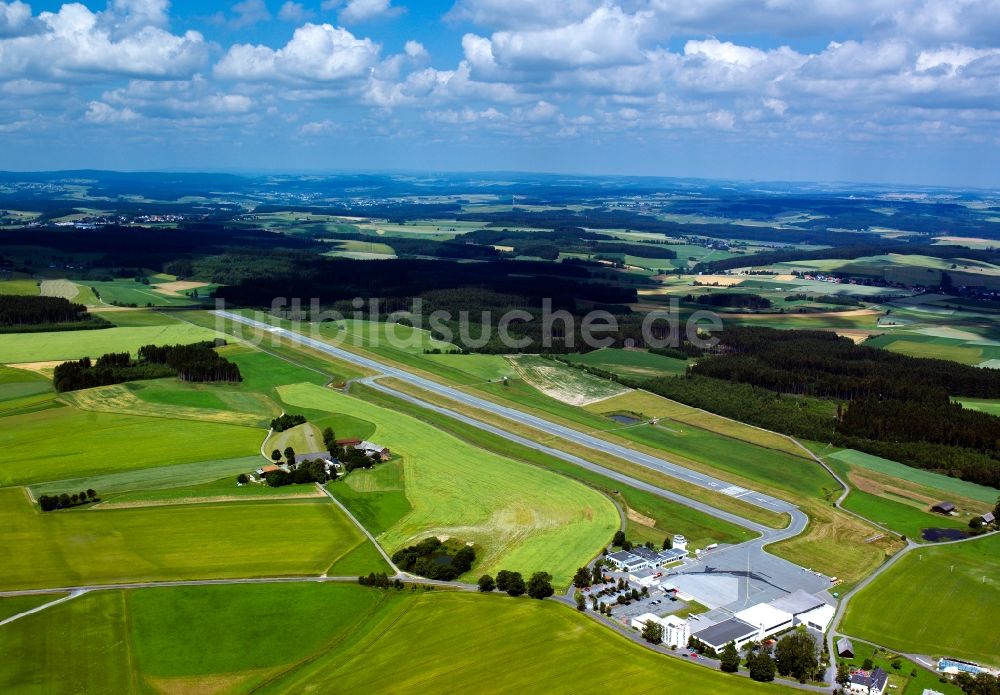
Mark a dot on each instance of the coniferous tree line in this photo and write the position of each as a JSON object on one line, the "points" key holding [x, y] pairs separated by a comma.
{"points": [[29, 314], [194, 362], [198, 362], [815, 385], [738, 300]]}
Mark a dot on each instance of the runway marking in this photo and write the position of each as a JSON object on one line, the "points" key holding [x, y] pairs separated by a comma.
{"points": [[734, 491]]}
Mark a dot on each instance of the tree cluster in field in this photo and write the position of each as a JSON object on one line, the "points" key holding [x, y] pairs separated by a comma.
{"points": [[898, 407], [436, 560], [539, 586], [286, 421], [307, 472], [194, 362], [109, 369], [197, 362], [49, 503], [380, 580], [731, 300], [29, 314]]}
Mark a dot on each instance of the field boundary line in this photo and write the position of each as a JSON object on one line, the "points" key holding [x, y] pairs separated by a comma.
{"points": [[365, 531], [38, 609]]}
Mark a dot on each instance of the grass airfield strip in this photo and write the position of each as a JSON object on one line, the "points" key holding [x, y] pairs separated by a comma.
{"points": [[197, 541], [329, 638], [524, 518]]}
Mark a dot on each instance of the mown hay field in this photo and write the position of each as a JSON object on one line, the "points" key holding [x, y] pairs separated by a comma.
{"points": [[523, 518]]}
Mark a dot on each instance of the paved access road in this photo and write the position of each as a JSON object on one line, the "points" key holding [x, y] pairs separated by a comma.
{"points": [[567, 433], [755, 568]]}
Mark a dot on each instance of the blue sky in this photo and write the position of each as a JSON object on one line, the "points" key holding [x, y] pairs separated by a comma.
{"points": [[903, 91]]}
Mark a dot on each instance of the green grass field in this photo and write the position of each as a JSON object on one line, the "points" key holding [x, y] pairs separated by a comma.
{"points": [[194, 541], [175, 399], [366, 641], [481, 367], [537, 646], [26, 288], [376, 497], [937, 481], [523, 517], [131, 292], [654, 518], [12, 605], [898, 516], [935, 601], [159, 478], [67, 345], [632, 364], [81, 294], [986, 406], [69, 443]]}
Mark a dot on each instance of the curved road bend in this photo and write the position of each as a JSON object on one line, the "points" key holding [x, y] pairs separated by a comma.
{"points": [[657, 463]]}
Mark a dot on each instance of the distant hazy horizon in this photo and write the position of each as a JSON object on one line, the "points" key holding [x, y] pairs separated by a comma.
{"points": [[900, 92]]}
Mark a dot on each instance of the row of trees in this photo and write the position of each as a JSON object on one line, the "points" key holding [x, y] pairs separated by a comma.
{"points": [[794, 656], [17, 310], [50, 503], [436, 560], [734, 300], [539, 586]]}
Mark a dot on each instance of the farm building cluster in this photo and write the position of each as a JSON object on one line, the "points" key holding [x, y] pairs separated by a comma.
{"points": [[332, 465]]}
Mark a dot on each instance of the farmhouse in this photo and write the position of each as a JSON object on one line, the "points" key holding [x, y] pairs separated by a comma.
{"points": [[329, 463], [264, 471], [845, 648], [374, 450], [348, 442], [866, 683], [988, 518], [733, 630], [627, 562], [944, 508]]}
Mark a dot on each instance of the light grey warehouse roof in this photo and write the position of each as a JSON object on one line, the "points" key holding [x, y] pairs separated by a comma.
{"points": [[798, 601]]}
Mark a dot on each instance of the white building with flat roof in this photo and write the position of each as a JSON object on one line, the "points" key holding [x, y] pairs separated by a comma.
{"points": [[766, 618], [818, 618]]}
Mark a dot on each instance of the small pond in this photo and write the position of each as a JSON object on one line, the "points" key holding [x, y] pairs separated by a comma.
{"points": [[943, 534], [625, 419]]}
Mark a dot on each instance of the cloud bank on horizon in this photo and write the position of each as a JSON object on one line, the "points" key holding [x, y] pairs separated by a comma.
{"points": [[866, 90]]}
